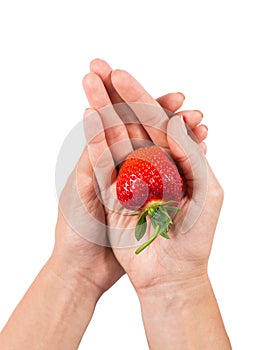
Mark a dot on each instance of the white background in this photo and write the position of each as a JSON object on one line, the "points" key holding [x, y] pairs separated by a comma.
{"points": [[210, 51]]}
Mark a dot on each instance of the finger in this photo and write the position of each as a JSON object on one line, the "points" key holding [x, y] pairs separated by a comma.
{"points": [[147, 109], [84, 167], [197, 134], [99, 153], [134, 128], [191, 118], [171, 102], [200, 132], [102, 161], [115, 131], [185, 151], [180, 143], [86, 183], [95, 91], [79, 205], [190, 157], [103, 70]]}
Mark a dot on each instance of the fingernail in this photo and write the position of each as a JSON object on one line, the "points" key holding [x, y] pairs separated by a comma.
{"points": [[181, 94], [197, 110]]}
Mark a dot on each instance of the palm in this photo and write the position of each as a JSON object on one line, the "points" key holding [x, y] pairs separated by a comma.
{"points": [[80, 215], [164, 257], [106, 87]]}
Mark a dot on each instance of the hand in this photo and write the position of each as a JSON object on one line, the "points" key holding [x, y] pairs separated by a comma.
{"points": [[74, 249], [122, 87], [81, 217], [63, 296], [178, 305]]}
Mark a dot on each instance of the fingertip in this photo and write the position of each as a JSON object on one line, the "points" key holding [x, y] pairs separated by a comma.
{"points": [[96, 62], [191, 117], [200, 132], [89, 80], [119, 76], [100, 67], [93, 63], [204, 130], [181, 94], [88, 111], [174, 101], [84, 79], [197, 111]]}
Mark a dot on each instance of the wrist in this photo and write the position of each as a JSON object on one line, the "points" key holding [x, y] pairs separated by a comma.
{"points": [[54, 312], [184, 315], [71, 258], [179, 291], [73, 278], [174, 284]]}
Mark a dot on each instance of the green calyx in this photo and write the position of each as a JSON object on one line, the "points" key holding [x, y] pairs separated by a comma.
{"points": [[160, 219]]}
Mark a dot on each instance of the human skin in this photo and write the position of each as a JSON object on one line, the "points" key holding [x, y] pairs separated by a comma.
{"points": [[58, 306], [178, 305]]}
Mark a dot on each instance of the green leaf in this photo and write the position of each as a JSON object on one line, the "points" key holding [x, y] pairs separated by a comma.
{"points": [[141, 226], [165, 213], [156, 220], [163, 220], [164, 234]]}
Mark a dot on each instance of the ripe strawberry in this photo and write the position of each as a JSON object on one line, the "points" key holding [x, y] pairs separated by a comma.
{"points": [[150, 183]]}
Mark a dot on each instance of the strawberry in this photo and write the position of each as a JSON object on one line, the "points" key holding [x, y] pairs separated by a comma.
{"points": [[149, 182]]}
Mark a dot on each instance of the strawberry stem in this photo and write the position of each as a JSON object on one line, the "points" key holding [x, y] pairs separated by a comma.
{"points": [[160, 220], [150, 240]]}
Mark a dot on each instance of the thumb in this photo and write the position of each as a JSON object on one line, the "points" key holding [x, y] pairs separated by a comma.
{"points": [[192, 162]]}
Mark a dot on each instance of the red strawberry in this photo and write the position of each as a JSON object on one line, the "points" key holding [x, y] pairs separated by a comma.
{"points": [[150, 183]]}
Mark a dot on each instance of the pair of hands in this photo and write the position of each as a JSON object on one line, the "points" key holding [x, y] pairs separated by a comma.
{"points": [[166, 262]]}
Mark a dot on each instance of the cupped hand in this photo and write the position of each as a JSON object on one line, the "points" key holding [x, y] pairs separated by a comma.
{"points": [[185, 255], [81, 249]]}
